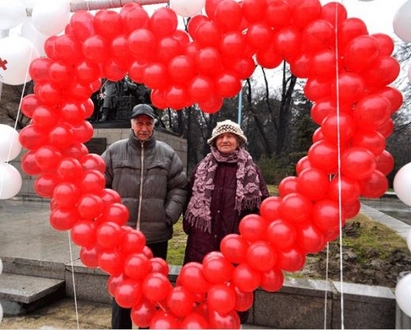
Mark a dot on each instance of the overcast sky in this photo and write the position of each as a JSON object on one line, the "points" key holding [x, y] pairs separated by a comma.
{"points": [[378, 15]]}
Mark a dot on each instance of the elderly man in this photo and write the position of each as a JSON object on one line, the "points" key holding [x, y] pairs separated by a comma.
{"points": [[149, 176]]}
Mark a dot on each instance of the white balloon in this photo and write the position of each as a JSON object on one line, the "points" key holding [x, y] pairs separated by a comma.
{"points": [[50, 18], [16, 54], [401, 21], [12, 13], [187, 8], [1, 313], [402, 184], [10, 145], [1, 266], [403, 294], [409, 73], [29, 31], [10, 181]]}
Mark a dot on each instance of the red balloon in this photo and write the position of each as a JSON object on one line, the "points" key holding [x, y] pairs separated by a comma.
{"points": [[208, 61], [358, 163], [234, 248], [194, 320], [28, 104], [181, 68], [128, 293], [393, 95], [386, 128], [227, 85], [64, 218], [323, 64], [291, 260], [338, 128], [299, 65], [334, 12], [242, 67], [349, 29], [259, 36], [81, 23], [114, 212], [246, 278], [45, 184], [158, 98], [143, 312], [163, 320], [351, 209], [113, 282], [195, 22], [253, 227], [228, 15], [231, 320], [137, 266], [344, 188], [306, 11], [327, 216], [369, 139], [315, 89], [177, 97], [385, 162], [90, 206], [93, 181], [159, 265], [324, 155], [167, 48], [281, 234], [88, 256], [212, 104], [156, 287], [270, 208], [110, 196], [310, 238], [277, 13], [383, 71], [313, 177], [163, 22], [110, 262], [180, 301], [217, 269], [39, 69], [108, 235], [96, 49], [93, 162], [66, 194], [83, 233], [302, 164], [132, 241], [183, 38], [156, 76], [134, 17], [385, 42], [233, 43], [351, 88], [318, 35], [269, 57], [69, 169], [208, 34], [321, 109], [272, 280], [68, 49], [47, 157], [375, 186], [221, 298], [372, 111], [200, 88], [142, 42], [360, 53], [296, 208], [108, 23], [75, 150], [288, 41], [253, 10], [28, 163], [261, 255], [287, 186], [192, 277]]}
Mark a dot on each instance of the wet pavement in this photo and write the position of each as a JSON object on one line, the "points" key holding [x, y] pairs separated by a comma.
{"points": [[25, 233]]}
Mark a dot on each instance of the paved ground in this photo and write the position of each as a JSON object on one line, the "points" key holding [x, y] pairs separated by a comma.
{"points": [[25, 232]]}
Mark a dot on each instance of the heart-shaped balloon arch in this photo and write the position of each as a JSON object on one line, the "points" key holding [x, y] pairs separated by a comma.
{"points": [[348, 72]]}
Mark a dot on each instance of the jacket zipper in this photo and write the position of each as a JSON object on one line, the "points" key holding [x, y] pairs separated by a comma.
{"points": [[140, 198]]}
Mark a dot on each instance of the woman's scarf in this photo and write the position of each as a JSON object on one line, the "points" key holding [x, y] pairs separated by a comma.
{"points": [[248, 194]]}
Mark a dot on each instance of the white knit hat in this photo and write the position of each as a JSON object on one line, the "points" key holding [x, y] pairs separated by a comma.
{"points": [[227, 126]]}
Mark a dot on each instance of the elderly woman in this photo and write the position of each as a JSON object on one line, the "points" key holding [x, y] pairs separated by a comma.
{"points": [[225, 186]]}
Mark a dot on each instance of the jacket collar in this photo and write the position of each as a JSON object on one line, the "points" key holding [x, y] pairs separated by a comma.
{"points": [[137, 144]]}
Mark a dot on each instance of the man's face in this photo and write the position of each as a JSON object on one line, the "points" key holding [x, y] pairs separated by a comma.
{"points": [[143, 127]]}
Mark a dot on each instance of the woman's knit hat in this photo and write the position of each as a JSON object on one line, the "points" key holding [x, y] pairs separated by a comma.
{"points": [[227, 126]]}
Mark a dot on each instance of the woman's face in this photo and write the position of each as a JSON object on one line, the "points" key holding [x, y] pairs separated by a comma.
{"points": [[227, 143]]}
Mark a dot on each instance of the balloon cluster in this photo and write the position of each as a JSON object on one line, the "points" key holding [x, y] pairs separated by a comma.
{"points": [[10, 147], [348, 72]]}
